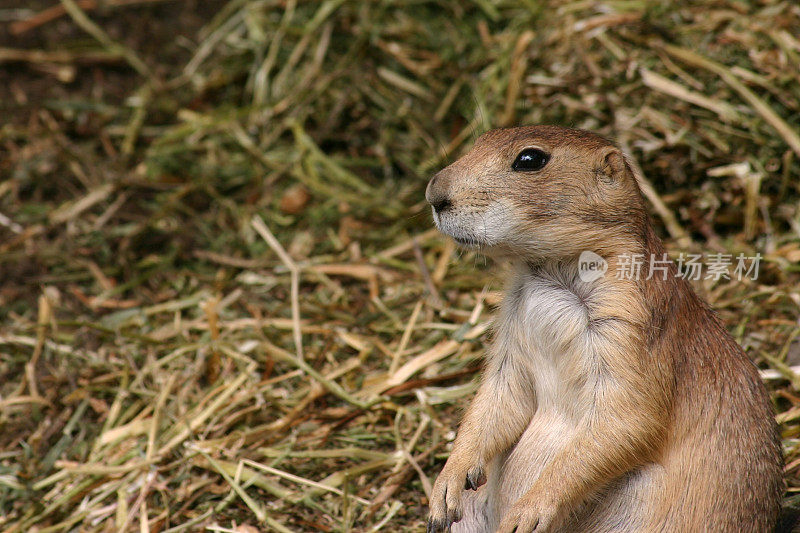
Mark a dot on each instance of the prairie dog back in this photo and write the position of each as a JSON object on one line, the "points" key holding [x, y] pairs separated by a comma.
{"points": [[607, 403]]}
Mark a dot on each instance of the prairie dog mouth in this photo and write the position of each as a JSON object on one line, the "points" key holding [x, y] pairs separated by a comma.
{"points": [[454, 229], [469, 243], [473, 229]]}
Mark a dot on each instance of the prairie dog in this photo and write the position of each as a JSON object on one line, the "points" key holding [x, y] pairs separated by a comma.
{"points": [[611, 405]]}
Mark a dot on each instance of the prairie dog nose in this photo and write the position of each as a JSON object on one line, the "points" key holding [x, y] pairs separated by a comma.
{"points": [[437, 193]]}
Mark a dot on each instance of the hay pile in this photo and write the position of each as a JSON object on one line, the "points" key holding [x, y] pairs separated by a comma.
{"points": [[222, 304]]}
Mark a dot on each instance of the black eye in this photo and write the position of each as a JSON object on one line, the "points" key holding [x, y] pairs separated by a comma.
{"points": [[530, 159]]}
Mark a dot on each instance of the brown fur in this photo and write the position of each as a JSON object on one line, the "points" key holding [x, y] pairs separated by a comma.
{"points": [[612, 405]]}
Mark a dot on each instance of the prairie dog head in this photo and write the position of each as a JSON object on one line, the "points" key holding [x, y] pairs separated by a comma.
{"points": [[539, 192]]}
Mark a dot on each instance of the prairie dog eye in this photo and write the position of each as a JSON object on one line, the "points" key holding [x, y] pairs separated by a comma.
{"points": [[530, 159]]}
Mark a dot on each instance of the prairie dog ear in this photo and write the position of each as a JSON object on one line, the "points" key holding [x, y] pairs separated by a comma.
{"points": [[612, 165]]}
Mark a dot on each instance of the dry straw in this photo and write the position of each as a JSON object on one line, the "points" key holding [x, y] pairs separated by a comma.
{"points": [[222, 304]]}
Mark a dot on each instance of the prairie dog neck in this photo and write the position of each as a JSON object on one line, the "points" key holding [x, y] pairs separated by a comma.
{"points": [[559, 283]]}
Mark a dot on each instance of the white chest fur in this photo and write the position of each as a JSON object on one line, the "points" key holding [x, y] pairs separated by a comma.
{"points": [[544, 328]]}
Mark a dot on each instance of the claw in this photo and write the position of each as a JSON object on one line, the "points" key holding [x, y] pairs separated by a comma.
{"points": [[475, 478], [453, 516], [434, 526]]}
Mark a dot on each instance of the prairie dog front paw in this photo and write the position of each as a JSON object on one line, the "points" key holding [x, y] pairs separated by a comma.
{"points": [[528, 515], [446, 504]]}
